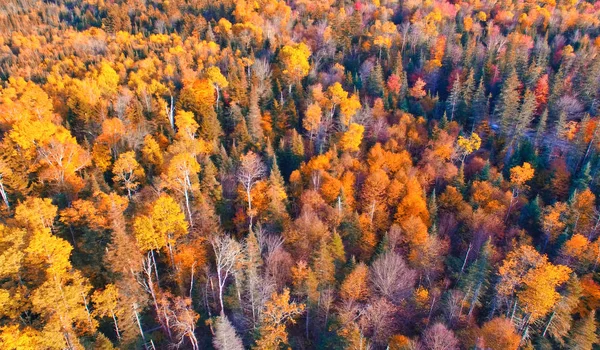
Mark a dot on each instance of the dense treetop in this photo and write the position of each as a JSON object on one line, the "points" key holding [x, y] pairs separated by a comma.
{"points": [[308, 174]]}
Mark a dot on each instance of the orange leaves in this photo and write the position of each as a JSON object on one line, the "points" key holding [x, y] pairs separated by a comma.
{"points": [[418, 90], [203, 92], [499, 334], [520, 174], [539, 294], [355, 287], [278, 312], [533, 278], [312, 118]]}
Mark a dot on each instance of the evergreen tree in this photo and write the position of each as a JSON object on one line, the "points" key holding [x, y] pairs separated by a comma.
{"points": [[454, 98], [583, 333], [375, 82], [475, 281], [507, 109]]}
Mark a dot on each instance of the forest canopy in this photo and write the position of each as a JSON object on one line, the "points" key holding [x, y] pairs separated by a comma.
{"points": [[270, 174]]}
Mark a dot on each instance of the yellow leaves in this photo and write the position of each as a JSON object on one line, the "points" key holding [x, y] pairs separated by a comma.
{"points": [[163, 226], [295, 61], [105, 301], [36, 213], [553, 220], [180, 169], [224, 25], [468, 145], [348, 108], [186, 125], [482, 16], [128, 171], [468, 23], [13, 337], [539, 295], [53, 251], [534, 278], [151, 151], [422, 296], [214, 75], [203, 92], [29, 133], [520, 174], [337, 92], [11, 254], [147, 238], [352, 138], [61, 158], [108, 79]]}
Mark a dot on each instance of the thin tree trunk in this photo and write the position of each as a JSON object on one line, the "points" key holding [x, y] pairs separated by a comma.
{"points": [[465, 261], [116, 326], [4, 195], [548, 324]]}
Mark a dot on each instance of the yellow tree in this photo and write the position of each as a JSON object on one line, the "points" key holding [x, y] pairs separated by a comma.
{"points": [[249, 173], [61, 158], [294, 59], [106, 305], [168, 221], [162, 227], [519, 175], [217, 79], [128, 171], [468, 145], [352, 138], [312, 119], [278, 312], [539, 294], [182, 176]]}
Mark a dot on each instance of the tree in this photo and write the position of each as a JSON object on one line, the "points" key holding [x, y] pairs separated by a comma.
{"points": [[218, 80], [181, 176], [438, 337], [467, 146], [106, 304], [499, 334], [583, 333], [560, 320], [127, 171], [355, 286], [312, 120], [507, 109], [352, 138], [164, 225], [227, 255], [519, 175], [278, 312], [250, 171], [418, 90], [61, 158], [391, 277], [225, 336], [294, 60]]}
